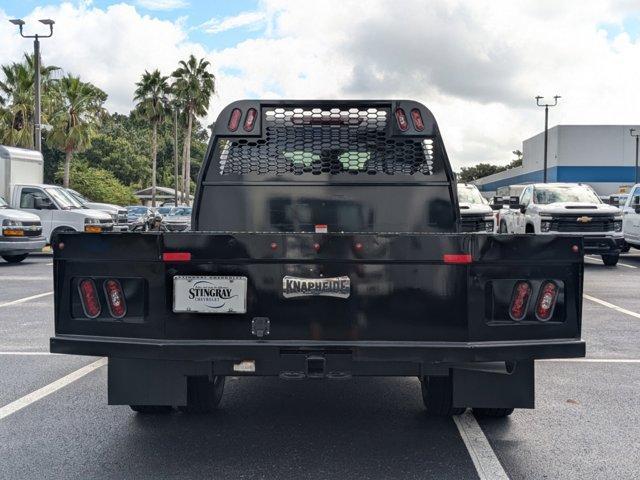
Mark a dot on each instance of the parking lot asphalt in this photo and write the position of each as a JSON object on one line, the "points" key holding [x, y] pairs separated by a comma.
{"points": [[585, 424]]}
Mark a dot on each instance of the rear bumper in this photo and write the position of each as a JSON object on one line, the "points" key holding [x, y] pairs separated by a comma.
{"points": [[20, 245], [272, 352]]}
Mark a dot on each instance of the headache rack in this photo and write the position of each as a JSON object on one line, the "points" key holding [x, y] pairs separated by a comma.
{"points": [[325, 139]]}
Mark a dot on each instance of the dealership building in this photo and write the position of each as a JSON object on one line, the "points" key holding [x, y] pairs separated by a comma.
{"points": [[603, 156]]}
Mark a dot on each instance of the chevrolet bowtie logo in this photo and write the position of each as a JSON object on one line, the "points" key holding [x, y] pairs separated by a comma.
{"points": [[584, 219]]}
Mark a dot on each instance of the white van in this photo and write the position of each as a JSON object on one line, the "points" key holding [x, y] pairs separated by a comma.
{"points": [[20, 233], [58, 210]]}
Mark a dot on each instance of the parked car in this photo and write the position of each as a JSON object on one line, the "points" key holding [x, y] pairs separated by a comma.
{"points": [[570, 209], [476, 214], [178, 219], [139, 217], [118, 213], [617, 199], [58, 210], [20, 233], [164, 210], [274, 279], [631, 218]]}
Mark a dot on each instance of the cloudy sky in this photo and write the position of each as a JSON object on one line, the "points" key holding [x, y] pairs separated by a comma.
{"points": [[477, 64]]}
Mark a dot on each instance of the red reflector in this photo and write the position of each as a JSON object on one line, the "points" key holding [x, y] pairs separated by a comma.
{"points": [[234, 119], [546, 301], [520, 300], [402, 119], [89, 298], [115, 298], [416, 117], [250, 119], [458, 258], [176, 256]]}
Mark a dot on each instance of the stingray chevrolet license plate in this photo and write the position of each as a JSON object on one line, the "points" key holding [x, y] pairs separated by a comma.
{"points": [[207, 294]]}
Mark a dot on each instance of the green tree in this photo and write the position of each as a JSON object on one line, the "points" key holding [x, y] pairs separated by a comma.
{"points": [[78, 111], [152, 97], [17, 93], [193, 87], [97, 184], [468, 174]]}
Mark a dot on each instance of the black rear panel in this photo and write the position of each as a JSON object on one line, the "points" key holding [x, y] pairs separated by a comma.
{"points": [[344, 165]]}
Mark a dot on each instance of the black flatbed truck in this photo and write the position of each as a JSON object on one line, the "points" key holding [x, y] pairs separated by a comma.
{"points": [[325, 244]]}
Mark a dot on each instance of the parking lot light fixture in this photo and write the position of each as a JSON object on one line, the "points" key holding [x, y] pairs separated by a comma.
{"points": [[635, 133], [546, 129], [37, 127]]}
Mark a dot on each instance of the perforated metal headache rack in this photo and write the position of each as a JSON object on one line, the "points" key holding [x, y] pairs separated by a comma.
{"points": [[326, 141]]}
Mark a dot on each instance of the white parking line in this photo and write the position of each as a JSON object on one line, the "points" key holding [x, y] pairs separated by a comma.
{"points": [[600, 262], [33, 397], [28, 353], [591, 360], [24, 277], [612, 306], [484, 458], [25, 299]]}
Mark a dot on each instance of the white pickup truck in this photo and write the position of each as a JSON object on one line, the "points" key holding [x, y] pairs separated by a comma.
{"points": [[631, 217], [58, 210], [476, 214], [570, 209]]}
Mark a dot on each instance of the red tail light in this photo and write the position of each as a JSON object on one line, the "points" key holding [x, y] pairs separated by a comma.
{"points": [[234, 119], [546, 301], [520, 300], [115, 298], [463, 258], [89, 298], [403, 124], [176, 256], [250, 119], [416, 117]]}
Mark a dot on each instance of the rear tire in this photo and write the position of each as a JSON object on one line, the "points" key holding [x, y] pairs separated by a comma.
{"points": [[492, 412], [203, 396], [437, 395], [611, 260], [152, 409], [625, 248], [15, 258]]}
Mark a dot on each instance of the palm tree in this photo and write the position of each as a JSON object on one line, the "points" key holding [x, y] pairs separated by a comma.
{"points": [[17, 101], [78, 111], [152, 96], [193, 85]]}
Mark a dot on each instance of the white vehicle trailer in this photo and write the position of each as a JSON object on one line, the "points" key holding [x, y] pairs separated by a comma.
{"points": [[19, 165]]}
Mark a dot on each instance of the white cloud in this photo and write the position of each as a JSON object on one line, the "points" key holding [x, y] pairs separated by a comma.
{"points": [[243, 19], [163, 4], [476, 65]]}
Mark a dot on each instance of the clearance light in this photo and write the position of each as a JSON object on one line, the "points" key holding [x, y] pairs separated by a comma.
{"points": [[520, 300], [416, 117], [89, 298], [463, 258], [403, 124], [546, 301], [234, 119], [115, 298], [250, 119], [93, 229], [12, 232], [176, 256]]}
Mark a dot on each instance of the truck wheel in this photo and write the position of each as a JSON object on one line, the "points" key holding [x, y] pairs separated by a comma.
{"points": [[625, 248], [610, 260], [437, 395], [15, 258], [203, 396], [503, 228], [151, 409], [492, 412]]}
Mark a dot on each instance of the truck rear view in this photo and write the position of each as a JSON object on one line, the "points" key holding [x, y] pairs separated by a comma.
{"points": [[325, 244]]}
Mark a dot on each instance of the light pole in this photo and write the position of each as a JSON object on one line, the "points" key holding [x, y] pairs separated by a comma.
{"points": [[635, 133], [37, 127], [546, 128], [175, 150]]}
